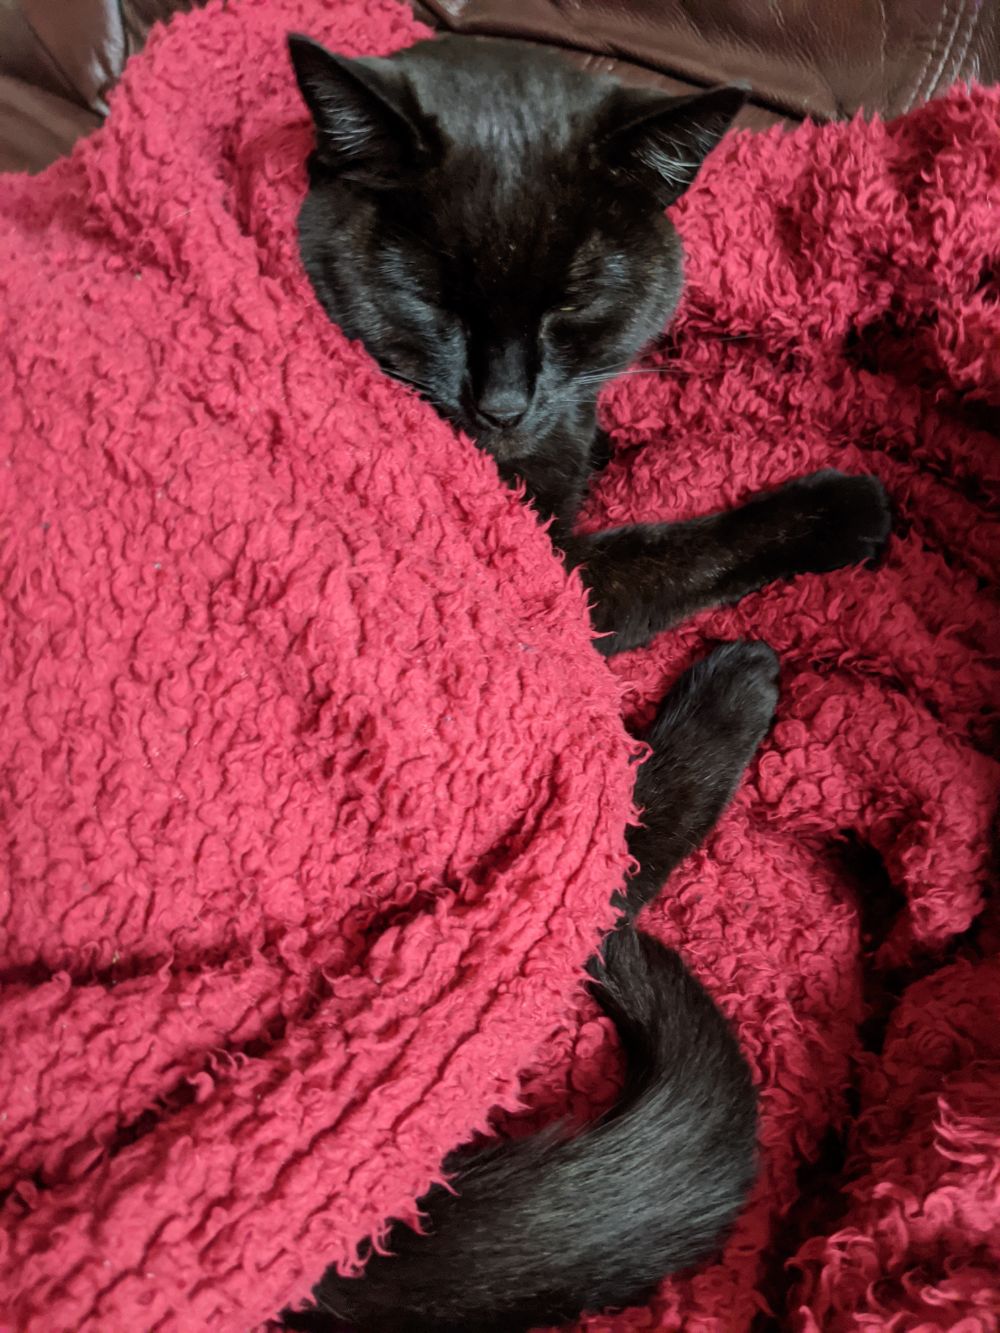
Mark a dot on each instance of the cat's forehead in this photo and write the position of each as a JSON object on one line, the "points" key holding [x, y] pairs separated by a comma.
{"points": [[512, 245], [489, 95], [517, 174]]}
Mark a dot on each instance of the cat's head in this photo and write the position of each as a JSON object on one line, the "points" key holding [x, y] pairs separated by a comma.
{"points": [[489, 221]]}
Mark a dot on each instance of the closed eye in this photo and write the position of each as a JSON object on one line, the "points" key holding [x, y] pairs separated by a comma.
{"points": [[566, 321], [600, 315]]}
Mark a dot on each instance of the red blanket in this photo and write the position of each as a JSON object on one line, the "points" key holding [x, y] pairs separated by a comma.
{"points": [[314, 790]]}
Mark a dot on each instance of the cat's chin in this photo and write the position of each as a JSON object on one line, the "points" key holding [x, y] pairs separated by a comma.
{"points": [[505, 446], [531, 436]]}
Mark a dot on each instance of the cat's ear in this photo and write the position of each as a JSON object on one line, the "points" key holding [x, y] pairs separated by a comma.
{"points": [[362, 113], [662, 141]]}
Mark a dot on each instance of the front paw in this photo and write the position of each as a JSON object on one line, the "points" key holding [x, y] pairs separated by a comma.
{"points": [[835, 520]]}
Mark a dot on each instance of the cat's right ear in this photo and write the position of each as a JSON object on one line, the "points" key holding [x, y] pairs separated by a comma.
{"points": [[660, 142], [361, 112]]}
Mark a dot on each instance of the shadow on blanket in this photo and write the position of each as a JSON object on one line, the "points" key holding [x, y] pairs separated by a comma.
{"points": [[314, 788]]}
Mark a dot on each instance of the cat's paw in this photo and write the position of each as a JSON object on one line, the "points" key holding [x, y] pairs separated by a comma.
{"points": [[741, 685], [723, 707], [840, 520], [705, 734]]}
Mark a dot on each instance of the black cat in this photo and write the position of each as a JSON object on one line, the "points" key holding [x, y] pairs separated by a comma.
{"points": [[544, 1228], [489, 221]]}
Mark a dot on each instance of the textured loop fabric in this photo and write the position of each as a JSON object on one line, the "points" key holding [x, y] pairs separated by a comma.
{"points": [[314, 790], [843, 308]]}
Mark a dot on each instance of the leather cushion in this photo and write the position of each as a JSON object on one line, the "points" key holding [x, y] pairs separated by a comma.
{"points": [[821, 58]]}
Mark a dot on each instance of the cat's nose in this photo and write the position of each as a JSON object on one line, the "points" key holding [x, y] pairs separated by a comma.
{"points": [[503, 408]]}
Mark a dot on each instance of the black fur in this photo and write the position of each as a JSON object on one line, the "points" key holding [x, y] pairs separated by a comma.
{"points": [[489, 221], [541, 1229]]}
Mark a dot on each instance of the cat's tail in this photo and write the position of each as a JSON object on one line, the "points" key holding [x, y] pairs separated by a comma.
{"points": [[683, 1134], [541, 1228], [545, 1227]]}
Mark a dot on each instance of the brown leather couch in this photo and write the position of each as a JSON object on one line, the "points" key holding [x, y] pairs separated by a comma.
{"points": [[59, 59]]}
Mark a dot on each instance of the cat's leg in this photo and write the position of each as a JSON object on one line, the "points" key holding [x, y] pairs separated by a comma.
{"points": [[706, 732], [646, 577]]}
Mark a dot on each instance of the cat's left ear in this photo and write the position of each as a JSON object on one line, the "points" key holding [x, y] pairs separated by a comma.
{"points": [[362, 110], [660, 142]]}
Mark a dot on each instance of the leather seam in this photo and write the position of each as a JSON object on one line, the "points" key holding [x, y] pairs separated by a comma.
{"points": [[883, 43], [935, 81], [917, 88], [919, 91], [959, 59]]}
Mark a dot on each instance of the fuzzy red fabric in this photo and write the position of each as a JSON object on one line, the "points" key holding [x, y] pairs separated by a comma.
{"points": [[314, 790]]}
